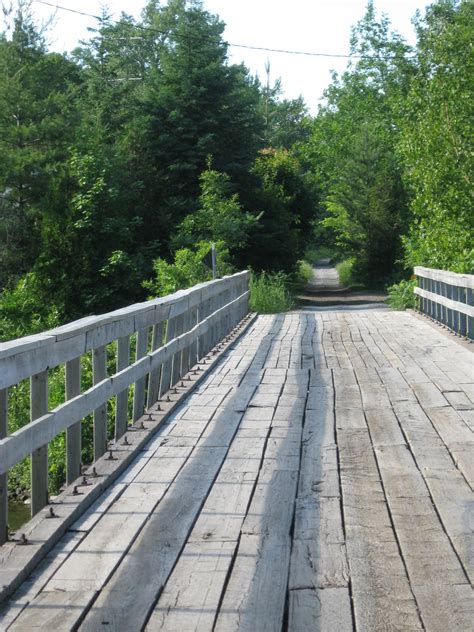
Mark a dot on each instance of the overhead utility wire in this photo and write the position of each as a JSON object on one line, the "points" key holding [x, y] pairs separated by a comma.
{"points": [[246, 46]]}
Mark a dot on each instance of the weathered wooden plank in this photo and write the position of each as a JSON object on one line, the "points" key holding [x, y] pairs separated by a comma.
{"points": [[191, 597], [350, 419], [318, 557], [427, 551], [255, 595], [136, 584], [384, 427], [58, 610], [99, 371], [381, 592], [165, 382], [140, 385], [429, 395], [374, 396], [319, 476], [39, 458], [11, 609], [3, 477], [121, 407], [272, 507], [93, 561], [454, 607], [320, 610], [73, 433]]}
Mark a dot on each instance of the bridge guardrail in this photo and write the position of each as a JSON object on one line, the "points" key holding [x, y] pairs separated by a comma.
{"points": [[448, 298], [170, 335]]}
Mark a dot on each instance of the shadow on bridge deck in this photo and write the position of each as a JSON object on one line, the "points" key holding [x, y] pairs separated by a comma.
{"points": [[320, 478]]}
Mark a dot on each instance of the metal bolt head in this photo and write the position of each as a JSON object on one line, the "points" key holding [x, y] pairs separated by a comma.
{"points": [[51, 513]]}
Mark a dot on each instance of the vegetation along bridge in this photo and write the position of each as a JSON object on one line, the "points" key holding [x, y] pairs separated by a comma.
{"points": [[302, 471]]}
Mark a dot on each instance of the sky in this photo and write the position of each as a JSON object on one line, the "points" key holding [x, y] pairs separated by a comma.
{"points": [[315, 26]]}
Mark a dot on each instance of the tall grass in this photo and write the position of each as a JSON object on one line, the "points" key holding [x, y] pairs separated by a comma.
{"points": [[305, 272], [402, 295], [344, 270], [269, 294]]}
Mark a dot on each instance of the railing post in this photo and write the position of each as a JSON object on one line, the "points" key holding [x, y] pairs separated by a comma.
{"points": [[73, 433], [139, 388], [121, 402], [3, 477], [203, 312], [470, 319], [165, 382], [99, 372], [463, 317], [39, 458], [177, 357], [154, 382], [192, 352]]}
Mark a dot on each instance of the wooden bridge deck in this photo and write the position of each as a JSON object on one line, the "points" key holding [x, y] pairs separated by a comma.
{"points": [[319, 479]]}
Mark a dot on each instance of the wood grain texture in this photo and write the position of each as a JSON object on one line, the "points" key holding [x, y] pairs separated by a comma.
{"points": [[318, 479]]}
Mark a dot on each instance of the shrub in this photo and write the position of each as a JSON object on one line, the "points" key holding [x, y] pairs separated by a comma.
{"points": [[187, 270], [344, 270], [305, 272], [401, 295], [269, 294]]}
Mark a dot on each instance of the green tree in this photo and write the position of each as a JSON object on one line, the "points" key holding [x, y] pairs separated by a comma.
{"points": [[220, 216], [436, 145], [356, 133], [37, 121], [195, 105], [284, 197], [364, 206]]}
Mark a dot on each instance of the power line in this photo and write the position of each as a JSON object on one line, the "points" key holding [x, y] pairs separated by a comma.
{"points": [[245, 46]]}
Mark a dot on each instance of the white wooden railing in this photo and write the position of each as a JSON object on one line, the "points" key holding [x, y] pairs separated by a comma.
{"points": [[169, 336], [448, 298]]}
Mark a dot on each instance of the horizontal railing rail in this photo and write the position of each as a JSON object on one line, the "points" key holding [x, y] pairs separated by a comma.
{"points": [[448, 298], [169, 336]]}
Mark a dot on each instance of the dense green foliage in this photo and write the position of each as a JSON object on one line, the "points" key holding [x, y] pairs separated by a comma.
{"points": [[401, 295], [269, 293], [437, 140], [391, 148]]}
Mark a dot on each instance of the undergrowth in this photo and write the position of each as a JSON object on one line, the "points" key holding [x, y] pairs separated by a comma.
{"points": [[401, 295], [269, 293]]}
